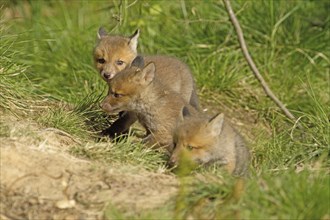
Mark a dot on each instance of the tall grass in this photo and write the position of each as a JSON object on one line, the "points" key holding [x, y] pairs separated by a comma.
{"points": [[46, 65]]}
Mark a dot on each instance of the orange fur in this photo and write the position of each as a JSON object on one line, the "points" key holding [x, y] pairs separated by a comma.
{"points": [[113, 49], [207, 141], [157, 108], [174, 74]]}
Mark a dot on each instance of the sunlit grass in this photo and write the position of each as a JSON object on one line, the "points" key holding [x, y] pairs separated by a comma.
{"points": [[47, 75]]}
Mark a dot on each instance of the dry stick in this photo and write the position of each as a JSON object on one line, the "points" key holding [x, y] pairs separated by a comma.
{"points": [[252, 65]]}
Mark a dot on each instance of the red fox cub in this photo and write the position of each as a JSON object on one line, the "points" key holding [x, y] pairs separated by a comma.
{"points": [[113, 54], [207, 141], [138, 89]]}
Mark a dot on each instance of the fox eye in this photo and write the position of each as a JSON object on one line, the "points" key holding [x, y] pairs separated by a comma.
{"points": [[101, 60], [116, 95], [119, 62], [190, 148]]}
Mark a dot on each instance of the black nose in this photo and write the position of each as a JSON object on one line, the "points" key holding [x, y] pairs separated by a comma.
{"points": [[107, 76]]}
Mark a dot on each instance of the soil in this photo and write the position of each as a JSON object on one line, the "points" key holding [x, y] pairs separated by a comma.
{"points": [[40, 180]]}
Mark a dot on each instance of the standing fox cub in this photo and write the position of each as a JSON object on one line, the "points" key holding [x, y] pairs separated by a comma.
{"points": [[207, 141], [139, 89], [113, 54]]}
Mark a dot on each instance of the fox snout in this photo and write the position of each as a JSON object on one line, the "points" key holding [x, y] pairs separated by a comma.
{"points": [[172, 162], [109, 107], [107, 71], [107, 75], [106, 106]]}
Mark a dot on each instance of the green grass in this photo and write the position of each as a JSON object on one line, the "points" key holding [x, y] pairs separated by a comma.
{"points": [[288, 195], [47, 75], [125, 151]]}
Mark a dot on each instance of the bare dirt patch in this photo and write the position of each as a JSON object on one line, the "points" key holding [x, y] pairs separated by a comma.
{"points": [[40, 180]]}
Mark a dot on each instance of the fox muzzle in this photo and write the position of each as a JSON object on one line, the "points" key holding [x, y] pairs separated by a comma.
{"points": [[172, 162], [107, 75]]}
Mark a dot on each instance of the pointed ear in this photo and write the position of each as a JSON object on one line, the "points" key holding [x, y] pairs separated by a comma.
{"points": [[101, 33], [133, 40], [216, 124], [147, 75], [138, 62], [184, 113]]}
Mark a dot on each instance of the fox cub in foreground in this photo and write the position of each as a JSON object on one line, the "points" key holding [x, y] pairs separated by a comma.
{"points": [[139, 89], [113, 54], [207, 141]]}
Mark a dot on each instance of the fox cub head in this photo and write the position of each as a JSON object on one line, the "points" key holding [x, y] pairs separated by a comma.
{"points": [[195, 138], [127, 86], [112, 54]]}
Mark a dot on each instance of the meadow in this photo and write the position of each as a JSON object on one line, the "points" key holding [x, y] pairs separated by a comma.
{"points": [[47, 77]]}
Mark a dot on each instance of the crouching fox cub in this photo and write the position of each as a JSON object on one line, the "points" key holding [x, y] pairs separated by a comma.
{"points": [[138, 89], [207, 141]]}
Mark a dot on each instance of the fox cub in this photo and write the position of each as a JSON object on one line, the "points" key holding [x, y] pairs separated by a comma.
{"points": [[207, 141], [113, 54], [139, 89]]}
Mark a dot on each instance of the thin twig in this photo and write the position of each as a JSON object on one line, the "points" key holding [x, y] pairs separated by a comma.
{"points": [[251, 63]]}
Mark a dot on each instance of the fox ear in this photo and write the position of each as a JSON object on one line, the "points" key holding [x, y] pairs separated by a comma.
{"points": [[148, 74], [133, 40], [184, 113], [101, 33], [138, 62], [216, 124]]}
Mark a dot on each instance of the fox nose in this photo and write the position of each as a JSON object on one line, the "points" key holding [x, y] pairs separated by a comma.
{"points": [[171, 162], [106, 75], [106, 107]]}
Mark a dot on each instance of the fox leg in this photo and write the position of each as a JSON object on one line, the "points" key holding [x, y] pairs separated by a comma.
{"points": [[121, 125], [150, 141]]}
